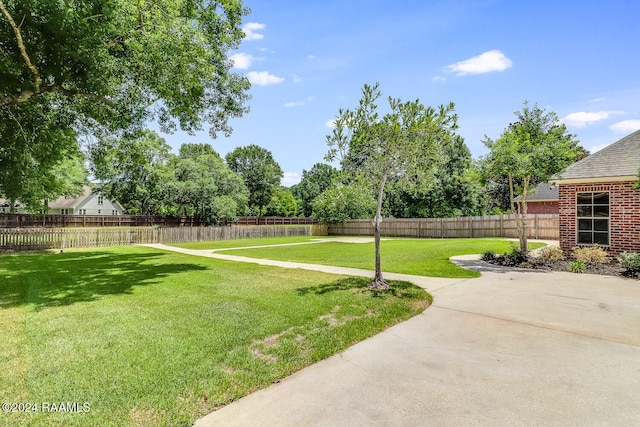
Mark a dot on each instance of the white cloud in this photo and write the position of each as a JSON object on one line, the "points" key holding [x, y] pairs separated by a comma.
{"points": [[250, 30], [597, 100], [487, 62], [625, 126], [290, 178], [263, 78], [241, 61], [311, 57], [583, 118], [439, 79], [299, 103], [331, 123]]}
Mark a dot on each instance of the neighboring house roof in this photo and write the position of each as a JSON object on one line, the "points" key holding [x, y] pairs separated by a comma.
{"points": [[71, 202], [619, 161], [545, 192]]}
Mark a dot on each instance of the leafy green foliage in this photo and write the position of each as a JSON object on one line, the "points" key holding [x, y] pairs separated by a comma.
{"points": [[107, 64], [260, 172], [93, 68], [487, 255], [129, 169], [341, 203], [456, 189], [577, 266], [529, 152], [630, 261], [39, 155], [403, 145], [514, 257], [198, 183], [591, 255], [313, 183], [282, 203]]}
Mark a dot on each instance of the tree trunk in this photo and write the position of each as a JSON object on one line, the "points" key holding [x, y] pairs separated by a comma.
{"points": [[522, 218], [378, 281]]}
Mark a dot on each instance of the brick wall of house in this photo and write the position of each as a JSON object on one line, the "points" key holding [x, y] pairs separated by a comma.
{"points": [[624, 214], [543, 207]]}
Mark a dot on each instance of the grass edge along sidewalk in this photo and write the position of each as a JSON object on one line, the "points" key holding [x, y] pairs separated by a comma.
{"points": [[149, 337], [419, 257]]}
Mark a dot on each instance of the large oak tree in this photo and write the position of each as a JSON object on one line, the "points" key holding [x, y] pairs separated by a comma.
{"points": [[95, 68]]}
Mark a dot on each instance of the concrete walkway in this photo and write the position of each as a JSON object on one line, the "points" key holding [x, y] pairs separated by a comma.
{"points": [[513, 347], [429, 283]]}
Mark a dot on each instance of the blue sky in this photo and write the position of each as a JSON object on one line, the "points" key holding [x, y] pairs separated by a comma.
{"points": [[307, 58]]}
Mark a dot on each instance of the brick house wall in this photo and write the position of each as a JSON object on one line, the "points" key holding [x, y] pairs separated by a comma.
{"points": [[543, 207], [624, 215]]}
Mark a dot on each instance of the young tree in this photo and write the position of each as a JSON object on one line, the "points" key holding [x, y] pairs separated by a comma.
{"points": [[529, 152], [313, 183], [404, 145], [260, 172]]}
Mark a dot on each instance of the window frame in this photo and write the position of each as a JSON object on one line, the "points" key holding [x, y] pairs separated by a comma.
{"points": [[593, 218]]}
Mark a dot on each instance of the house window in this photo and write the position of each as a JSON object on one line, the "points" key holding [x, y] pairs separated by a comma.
{"points": [[100, 200], [114, 212], [99, 211], [593, 218]]}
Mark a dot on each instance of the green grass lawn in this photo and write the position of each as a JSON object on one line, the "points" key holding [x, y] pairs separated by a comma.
{"points": [[239, 243], [149, 337], [423, 257]]}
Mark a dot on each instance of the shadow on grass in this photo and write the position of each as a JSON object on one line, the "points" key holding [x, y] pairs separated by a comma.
{"points": [[50, 280], [398, 289]]}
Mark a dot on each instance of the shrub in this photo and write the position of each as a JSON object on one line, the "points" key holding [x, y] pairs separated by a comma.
{"points": [[577, 267], [630, 261], [551, 253], [514, 257], [593, 255], [488, 256]]}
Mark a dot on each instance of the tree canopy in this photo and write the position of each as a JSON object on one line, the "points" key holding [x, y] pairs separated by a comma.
{"points": [[313, 183], [405, 145], [120, 62], [129, 169], [456, 189], [260, 172], [72, 69], [528, 152]]}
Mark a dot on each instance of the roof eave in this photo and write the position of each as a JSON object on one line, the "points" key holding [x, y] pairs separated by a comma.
{"points": [[595, 180]]}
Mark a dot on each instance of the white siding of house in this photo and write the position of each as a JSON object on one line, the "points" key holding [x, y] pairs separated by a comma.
{"points": [[92, 207]]}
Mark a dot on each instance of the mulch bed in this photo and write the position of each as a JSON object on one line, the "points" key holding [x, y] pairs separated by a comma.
{"points": [[610, 269]]}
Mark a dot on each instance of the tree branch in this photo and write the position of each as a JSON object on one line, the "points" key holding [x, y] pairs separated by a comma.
{"points": [[23, 50], [25, 95]]}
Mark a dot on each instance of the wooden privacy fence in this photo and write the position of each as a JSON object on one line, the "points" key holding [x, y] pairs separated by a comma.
{"points": [[540, 226], [28, 220], [24, 239]]}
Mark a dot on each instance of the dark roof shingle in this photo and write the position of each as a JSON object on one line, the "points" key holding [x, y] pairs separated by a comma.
{"points": [[620, 159]]}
